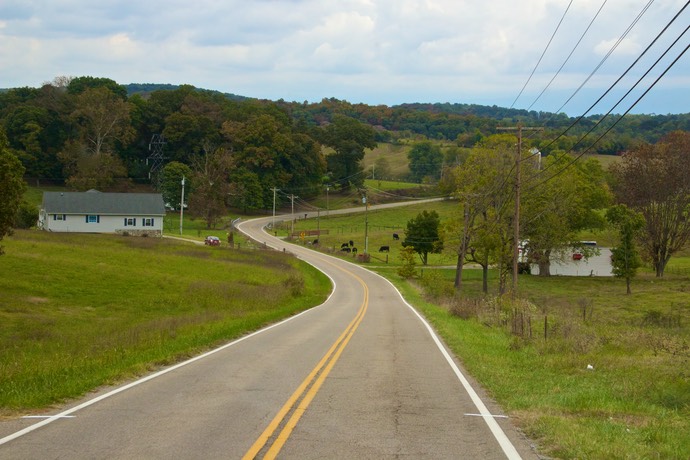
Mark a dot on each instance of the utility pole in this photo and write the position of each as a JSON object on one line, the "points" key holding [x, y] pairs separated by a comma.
{"points": [[292, 217], [366, 222], [182, 205], [516, 215], [273, 222], [328, 212]]}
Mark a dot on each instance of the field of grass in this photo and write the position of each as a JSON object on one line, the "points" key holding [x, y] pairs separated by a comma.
{"points": [[532, 355], [633, 404], [79, 310]]}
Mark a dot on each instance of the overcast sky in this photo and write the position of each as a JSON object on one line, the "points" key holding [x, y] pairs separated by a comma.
{"points": [[371, 51]]}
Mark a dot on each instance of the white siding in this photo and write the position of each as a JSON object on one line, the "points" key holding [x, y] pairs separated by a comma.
{"points": [[106, 224]]}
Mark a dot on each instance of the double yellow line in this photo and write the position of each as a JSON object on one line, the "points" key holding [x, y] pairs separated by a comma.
{"points": [[299, 401]]}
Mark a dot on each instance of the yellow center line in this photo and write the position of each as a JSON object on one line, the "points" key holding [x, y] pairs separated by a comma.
{"points": [[323, 367]]}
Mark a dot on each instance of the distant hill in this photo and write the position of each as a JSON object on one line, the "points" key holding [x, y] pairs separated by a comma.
{"points": [[148, 88]]}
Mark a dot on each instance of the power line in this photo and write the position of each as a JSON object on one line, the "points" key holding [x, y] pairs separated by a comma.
{"points": [[617, 121], [569, 55], [605, 58], [542, 55]]}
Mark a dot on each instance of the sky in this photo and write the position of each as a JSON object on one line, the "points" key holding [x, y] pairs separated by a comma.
{"points": [[362, 51]]}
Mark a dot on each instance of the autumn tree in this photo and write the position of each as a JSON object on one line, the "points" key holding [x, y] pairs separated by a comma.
{"points": [[654, 179], [625, 257], [11, 188], [422, 235]]}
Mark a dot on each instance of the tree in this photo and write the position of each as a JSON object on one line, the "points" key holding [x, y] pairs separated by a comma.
{"points": [[103, 122], [625, 257], [348, 137], [426, 161], [556, 209], [655, 180], [171, 182], [480, 230], [210, 182], [422, 235], [12, 188]]}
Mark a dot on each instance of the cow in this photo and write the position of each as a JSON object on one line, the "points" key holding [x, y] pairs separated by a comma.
{"points": [[396, 236], [344, 245], [315, 242], [354, 250], [352, 244], [346, 249], [384, 249]]}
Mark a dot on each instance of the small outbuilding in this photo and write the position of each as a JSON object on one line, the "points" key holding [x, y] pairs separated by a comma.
{"points": [[96, 212]]}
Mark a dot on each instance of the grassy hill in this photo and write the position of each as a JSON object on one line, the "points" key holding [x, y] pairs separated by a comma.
{"points": [[82, 310]]}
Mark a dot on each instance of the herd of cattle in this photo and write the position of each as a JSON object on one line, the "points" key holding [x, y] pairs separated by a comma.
{"points": [[349, 247]]}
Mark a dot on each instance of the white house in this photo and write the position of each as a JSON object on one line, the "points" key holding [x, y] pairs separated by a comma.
{"points": [[97, 212]]}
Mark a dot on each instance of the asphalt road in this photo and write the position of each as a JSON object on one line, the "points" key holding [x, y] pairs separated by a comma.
{"points": [[361, 376]]}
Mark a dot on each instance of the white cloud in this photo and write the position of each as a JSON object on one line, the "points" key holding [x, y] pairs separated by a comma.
{"points": [[374, 51]]}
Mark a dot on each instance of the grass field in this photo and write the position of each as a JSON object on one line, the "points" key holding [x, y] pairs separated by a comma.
{"points": [[78, 311], [633, 404], [531, 355]]}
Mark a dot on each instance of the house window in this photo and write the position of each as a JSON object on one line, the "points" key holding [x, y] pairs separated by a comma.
{"points": [[59, 217], [93, 219], [147, 222], [130, 221]]}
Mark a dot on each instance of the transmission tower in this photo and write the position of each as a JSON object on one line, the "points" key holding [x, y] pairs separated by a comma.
{"points": [[156, 158]]}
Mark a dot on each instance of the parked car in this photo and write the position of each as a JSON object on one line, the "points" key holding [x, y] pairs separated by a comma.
{"points": [[577, 256], [212, 241]]}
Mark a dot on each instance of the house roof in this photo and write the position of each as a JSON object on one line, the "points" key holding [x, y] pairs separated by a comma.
{"points": [[95, 202]]}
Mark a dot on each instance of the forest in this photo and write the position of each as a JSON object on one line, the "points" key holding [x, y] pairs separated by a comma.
{"points": [[88, 132]]}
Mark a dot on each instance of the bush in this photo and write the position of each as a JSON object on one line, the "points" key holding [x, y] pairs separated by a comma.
{"points": [[27, 216]]}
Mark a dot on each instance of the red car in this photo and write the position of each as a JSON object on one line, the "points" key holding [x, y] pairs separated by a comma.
{"points": [[577, 256], [212, 241]]}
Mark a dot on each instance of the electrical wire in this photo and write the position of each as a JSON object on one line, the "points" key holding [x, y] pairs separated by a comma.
{"points": [[605, 58], [542, 55], [616, 122], [569, 55]]}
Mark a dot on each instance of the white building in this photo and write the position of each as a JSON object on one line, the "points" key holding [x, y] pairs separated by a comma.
{"points": [[96, 212]]}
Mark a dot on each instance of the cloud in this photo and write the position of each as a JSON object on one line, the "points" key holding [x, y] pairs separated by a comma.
{"points": [[373, 51]]}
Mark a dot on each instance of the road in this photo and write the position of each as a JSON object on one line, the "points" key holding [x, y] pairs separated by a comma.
{"points": [[360, 376]]}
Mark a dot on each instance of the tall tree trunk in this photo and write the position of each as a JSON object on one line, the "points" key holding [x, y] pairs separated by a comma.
{"points": [[458, 272]]}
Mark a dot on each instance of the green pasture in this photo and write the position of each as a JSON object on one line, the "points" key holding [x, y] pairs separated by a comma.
{"points": [[79, 310]]}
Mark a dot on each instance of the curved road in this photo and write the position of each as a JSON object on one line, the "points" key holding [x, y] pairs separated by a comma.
{"points": [[361, 376]]}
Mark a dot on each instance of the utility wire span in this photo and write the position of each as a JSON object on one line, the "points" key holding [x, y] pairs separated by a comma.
{"points": [[610, 88], [601, 120], [605, 58], [569, 55], [542, 55], [616, 122]]}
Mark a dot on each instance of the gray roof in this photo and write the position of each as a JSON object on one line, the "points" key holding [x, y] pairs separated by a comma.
{"points": [[95, 202]]}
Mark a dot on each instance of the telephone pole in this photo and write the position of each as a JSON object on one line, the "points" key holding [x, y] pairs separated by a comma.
{"points": [[273, 222], [292, 217], [516, 214]]}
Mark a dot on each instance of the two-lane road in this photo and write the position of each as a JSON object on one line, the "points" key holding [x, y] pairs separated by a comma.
{"points": [[361, 376]]}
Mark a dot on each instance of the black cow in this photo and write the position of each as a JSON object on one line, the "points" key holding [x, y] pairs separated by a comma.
{"points": [[396, 236], [354, 250], [344, 245], [384, 249], [352, 244], [346, 249], [315, 242]]}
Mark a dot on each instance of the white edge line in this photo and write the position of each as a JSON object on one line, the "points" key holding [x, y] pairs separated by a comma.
{"points": [[500, 436], [66, 413]]}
